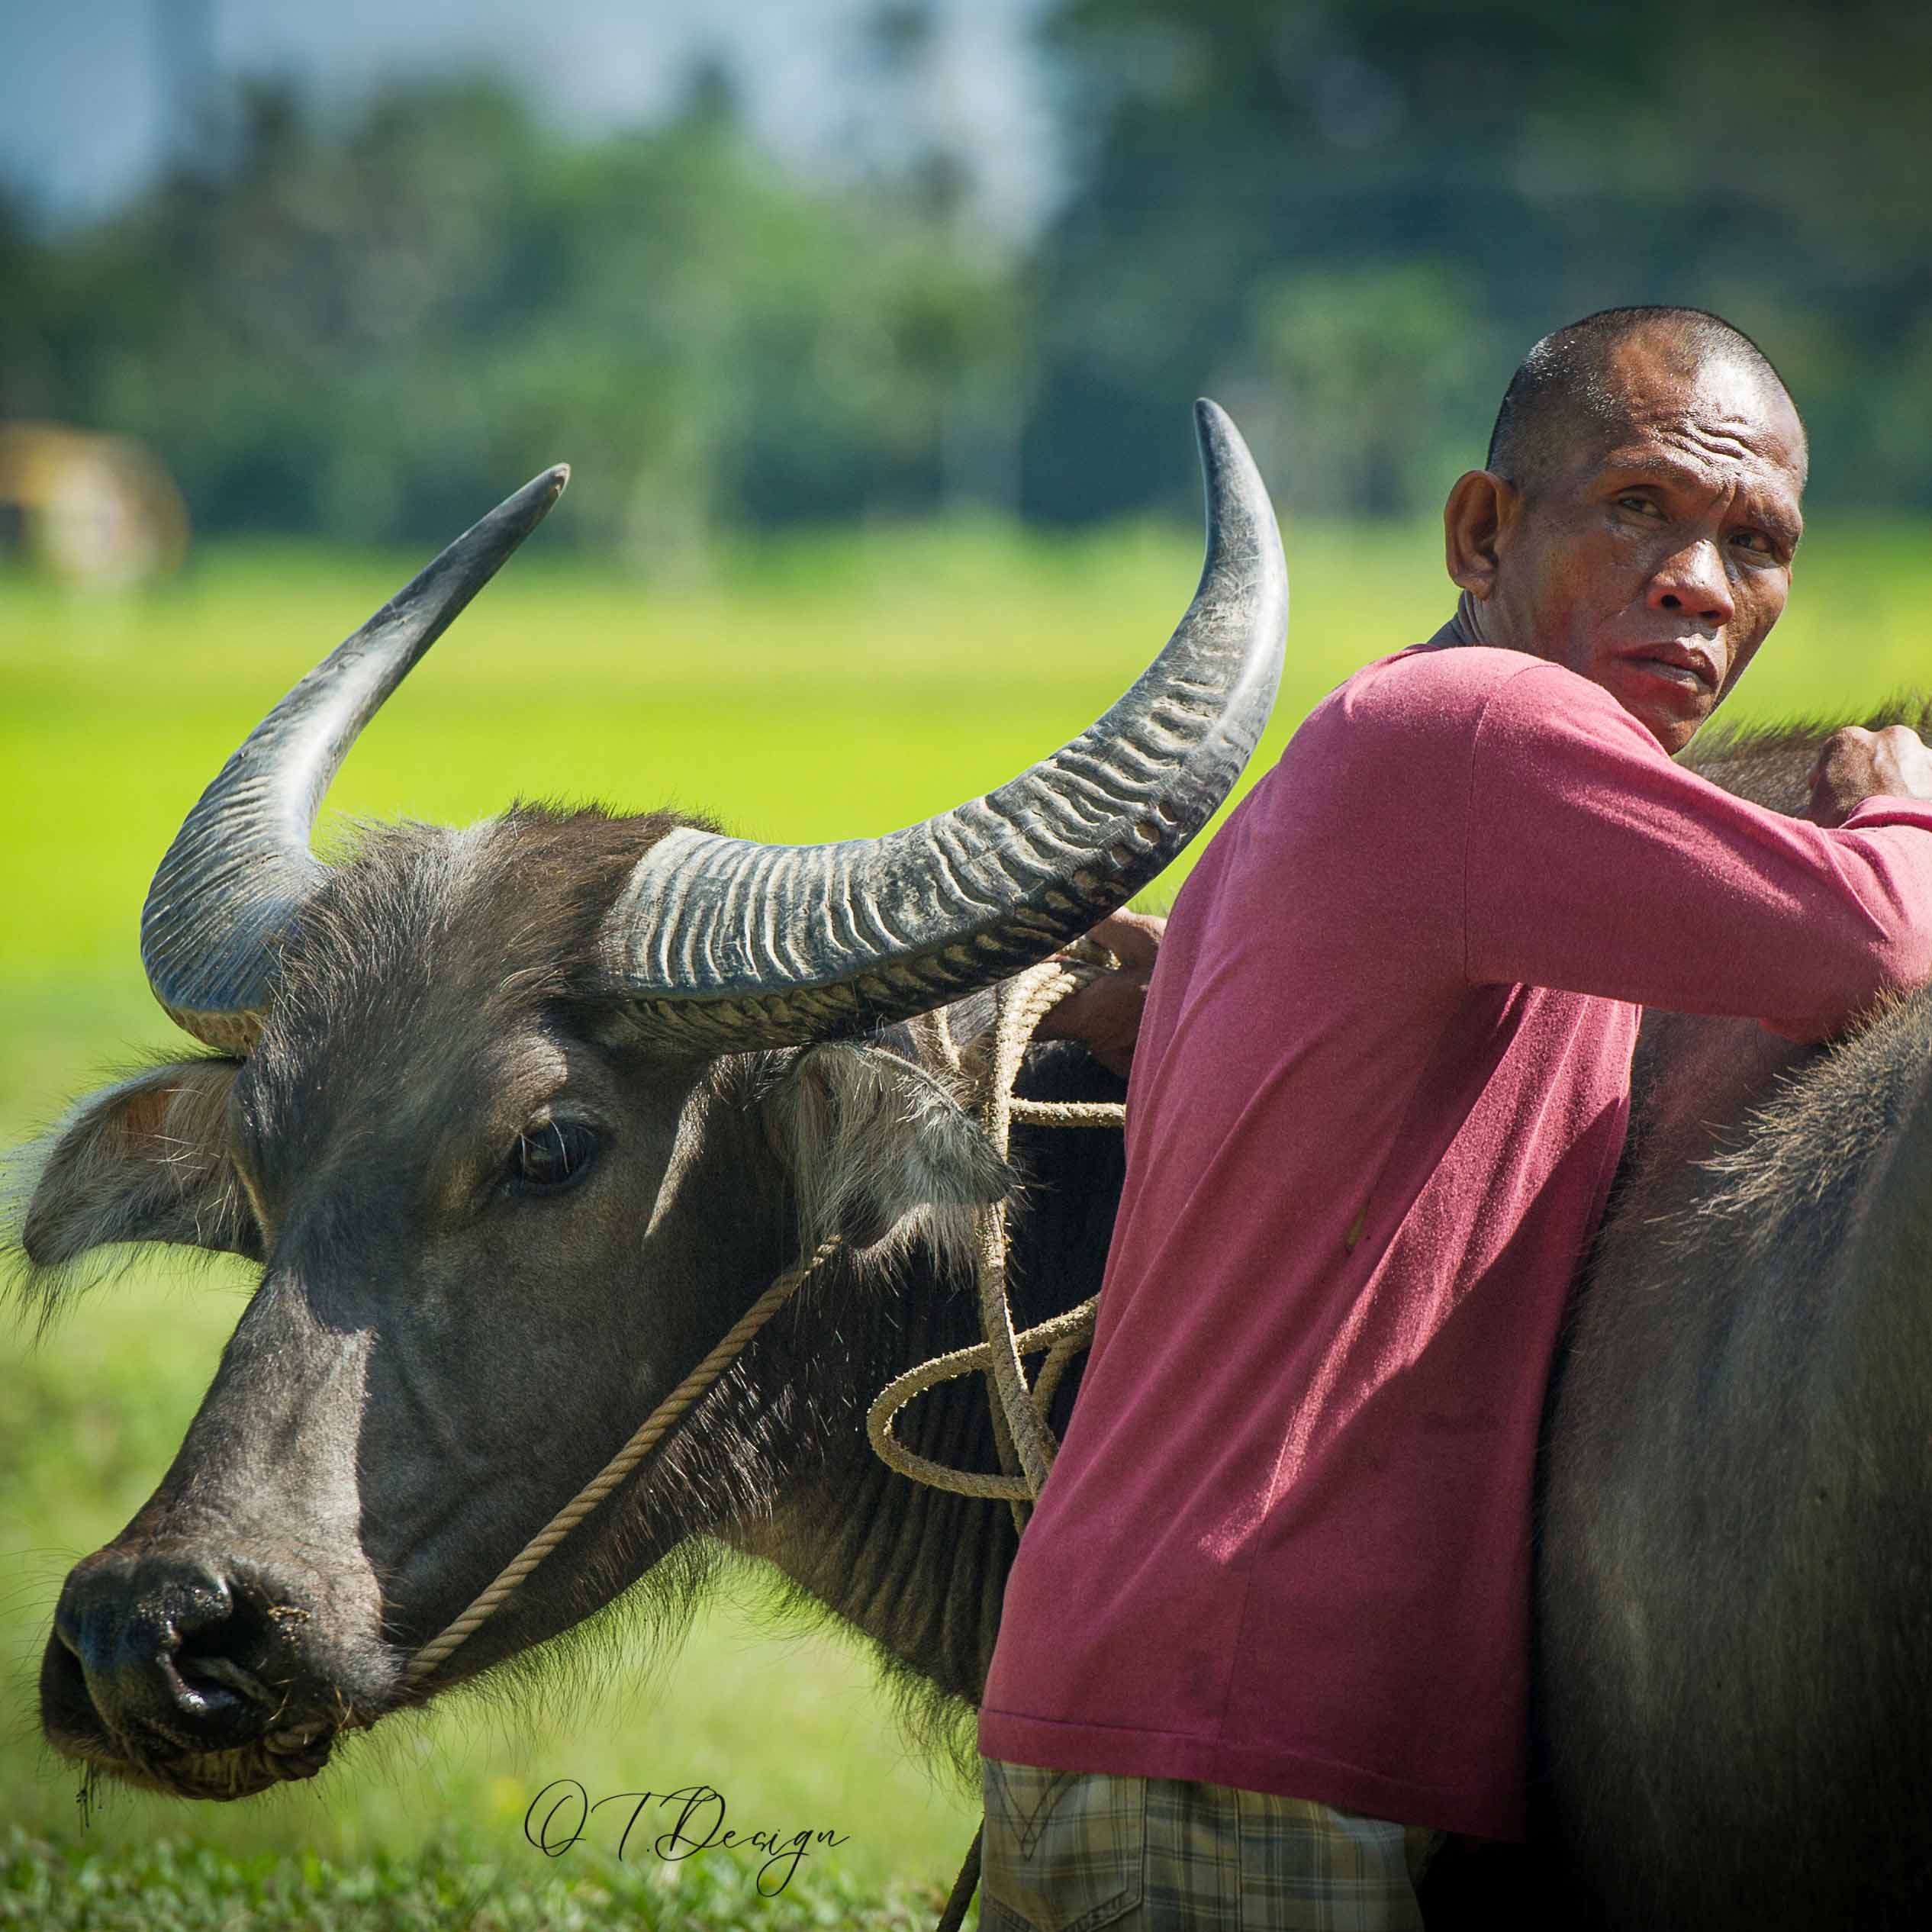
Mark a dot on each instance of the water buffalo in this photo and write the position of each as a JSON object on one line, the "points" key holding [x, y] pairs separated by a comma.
{"points": [[516, 1121], [1734, 1599], [477, 1099]]}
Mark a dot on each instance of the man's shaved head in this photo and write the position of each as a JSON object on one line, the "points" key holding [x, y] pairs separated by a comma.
{"points": [[1637, 518], [1567, 399]]}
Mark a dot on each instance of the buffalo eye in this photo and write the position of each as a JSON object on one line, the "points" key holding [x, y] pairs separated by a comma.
{"points": [[555, 1155]]}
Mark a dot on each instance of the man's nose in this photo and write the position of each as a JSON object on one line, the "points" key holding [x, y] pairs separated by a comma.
{"points": [[1695, 581]]}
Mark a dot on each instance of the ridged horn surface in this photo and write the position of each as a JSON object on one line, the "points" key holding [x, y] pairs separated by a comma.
{"points": [[726, 945], [240, 866]]}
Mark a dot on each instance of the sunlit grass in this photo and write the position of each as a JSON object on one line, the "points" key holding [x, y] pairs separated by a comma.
{"points": [[818, 688]]}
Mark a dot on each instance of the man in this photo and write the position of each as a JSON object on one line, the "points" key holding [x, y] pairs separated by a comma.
{"points": [[1266, 1636]]}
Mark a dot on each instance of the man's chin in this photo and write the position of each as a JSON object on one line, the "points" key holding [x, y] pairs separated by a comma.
{"points": [[1671, 705], [1674, 733]]}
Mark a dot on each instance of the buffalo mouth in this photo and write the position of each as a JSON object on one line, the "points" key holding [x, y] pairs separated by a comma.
{"points": [[159, 1764], [241, 1772], [291, 1747]]}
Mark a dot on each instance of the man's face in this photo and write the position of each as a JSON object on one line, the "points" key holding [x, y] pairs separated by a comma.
{"points": [[1654, 562]]}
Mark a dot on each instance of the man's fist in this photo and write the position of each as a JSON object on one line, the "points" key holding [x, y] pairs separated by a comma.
{"points": [[1856, 764], [1104, 1015]]}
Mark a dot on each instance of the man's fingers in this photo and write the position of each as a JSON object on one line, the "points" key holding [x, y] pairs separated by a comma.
{"points": [[1849, 742], [1096, 1008], [1132, 938], [1856, 764], [1105, 1014]]}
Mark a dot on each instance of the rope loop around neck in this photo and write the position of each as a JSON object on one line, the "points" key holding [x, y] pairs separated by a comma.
{"points": [[1026, 1441]]}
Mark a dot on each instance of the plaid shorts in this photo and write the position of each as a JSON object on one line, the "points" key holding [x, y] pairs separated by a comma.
{"points": [[1072, 1851]]}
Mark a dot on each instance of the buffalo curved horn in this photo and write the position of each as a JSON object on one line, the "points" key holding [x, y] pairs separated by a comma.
{"points": [[724, 944], [240, 866]]}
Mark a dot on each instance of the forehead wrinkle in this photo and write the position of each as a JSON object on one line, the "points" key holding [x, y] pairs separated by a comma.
{"points": [[1692, 468], [1732, 439], [1657, 378], [1769, 498]]}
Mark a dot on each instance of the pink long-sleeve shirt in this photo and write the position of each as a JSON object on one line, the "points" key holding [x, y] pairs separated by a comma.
{"points": [[1379, 1091]]}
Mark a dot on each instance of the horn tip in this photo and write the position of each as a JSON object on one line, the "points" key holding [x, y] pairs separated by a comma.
{"points": [[1209, 414], [513, 518], [1214, 427], [534, 500]]}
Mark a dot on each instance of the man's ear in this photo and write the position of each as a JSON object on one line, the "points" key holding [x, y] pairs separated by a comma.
{"points": [[1480, 505], [878, 1148], [145, 1161]]}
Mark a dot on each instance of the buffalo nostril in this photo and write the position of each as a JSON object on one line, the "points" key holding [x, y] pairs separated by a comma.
{"points": [[225, 1671], [162, 1645], [211, 1630]]}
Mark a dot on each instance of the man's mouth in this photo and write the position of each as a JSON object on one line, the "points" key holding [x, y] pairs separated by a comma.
{"points": [[1695, 666]]}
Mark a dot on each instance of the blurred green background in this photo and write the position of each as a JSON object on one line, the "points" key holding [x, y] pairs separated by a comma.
{"points": [[879, 492]]}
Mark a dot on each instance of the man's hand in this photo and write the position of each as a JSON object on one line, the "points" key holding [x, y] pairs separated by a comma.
{"points": [[1104, 1015], [1856, 764]]}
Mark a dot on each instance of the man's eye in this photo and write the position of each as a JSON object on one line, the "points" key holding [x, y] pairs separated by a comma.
{"points": [[1642, 504], [1753, 540], [555, 1155]]}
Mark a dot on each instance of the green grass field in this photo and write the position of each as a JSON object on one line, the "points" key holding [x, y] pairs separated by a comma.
{"points": [[823, 687]]}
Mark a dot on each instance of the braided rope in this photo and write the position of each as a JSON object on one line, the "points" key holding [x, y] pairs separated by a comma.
{"points": [[1066, 1113], [1019, 1006], [620, 1465], [1069, 1333], [1025, 1435], [968, 1882]]}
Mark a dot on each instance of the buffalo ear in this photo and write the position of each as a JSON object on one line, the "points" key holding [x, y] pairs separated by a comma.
{"points": [[877, 1149], [146, 1160]]}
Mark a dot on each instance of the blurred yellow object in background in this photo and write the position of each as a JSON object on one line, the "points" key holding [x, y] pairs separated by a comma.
{"points": [[96, 511]]}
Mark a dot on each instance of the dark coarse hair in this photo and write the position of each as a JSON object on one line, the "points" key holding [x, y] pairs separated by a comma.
{"points": [[1565, 384]]}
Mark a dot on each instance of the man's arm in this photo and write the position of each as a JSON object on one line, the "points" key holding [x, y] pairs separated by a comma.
{"points": [[1595, 865]]}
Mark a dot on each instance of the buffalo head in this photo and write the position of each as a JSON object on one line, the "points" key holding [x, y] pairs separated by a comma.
{"points": [[515, 1121]]}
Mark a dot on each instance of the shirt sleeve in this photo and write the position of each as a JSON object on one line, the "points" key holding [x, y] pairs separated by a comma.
{"points": [[1595, 864]]}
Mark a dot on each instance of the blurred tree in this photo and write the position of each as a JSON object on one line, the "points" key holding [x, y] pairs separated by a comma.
{"points": [[1365, 376], [28, 381], [1528, 163], [373, 327], [1348, 218], [962, 327]]}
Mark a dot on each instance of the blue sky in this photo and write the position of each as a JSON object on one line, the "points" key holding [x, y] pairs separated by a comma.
{"points": [[83, 113]]}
